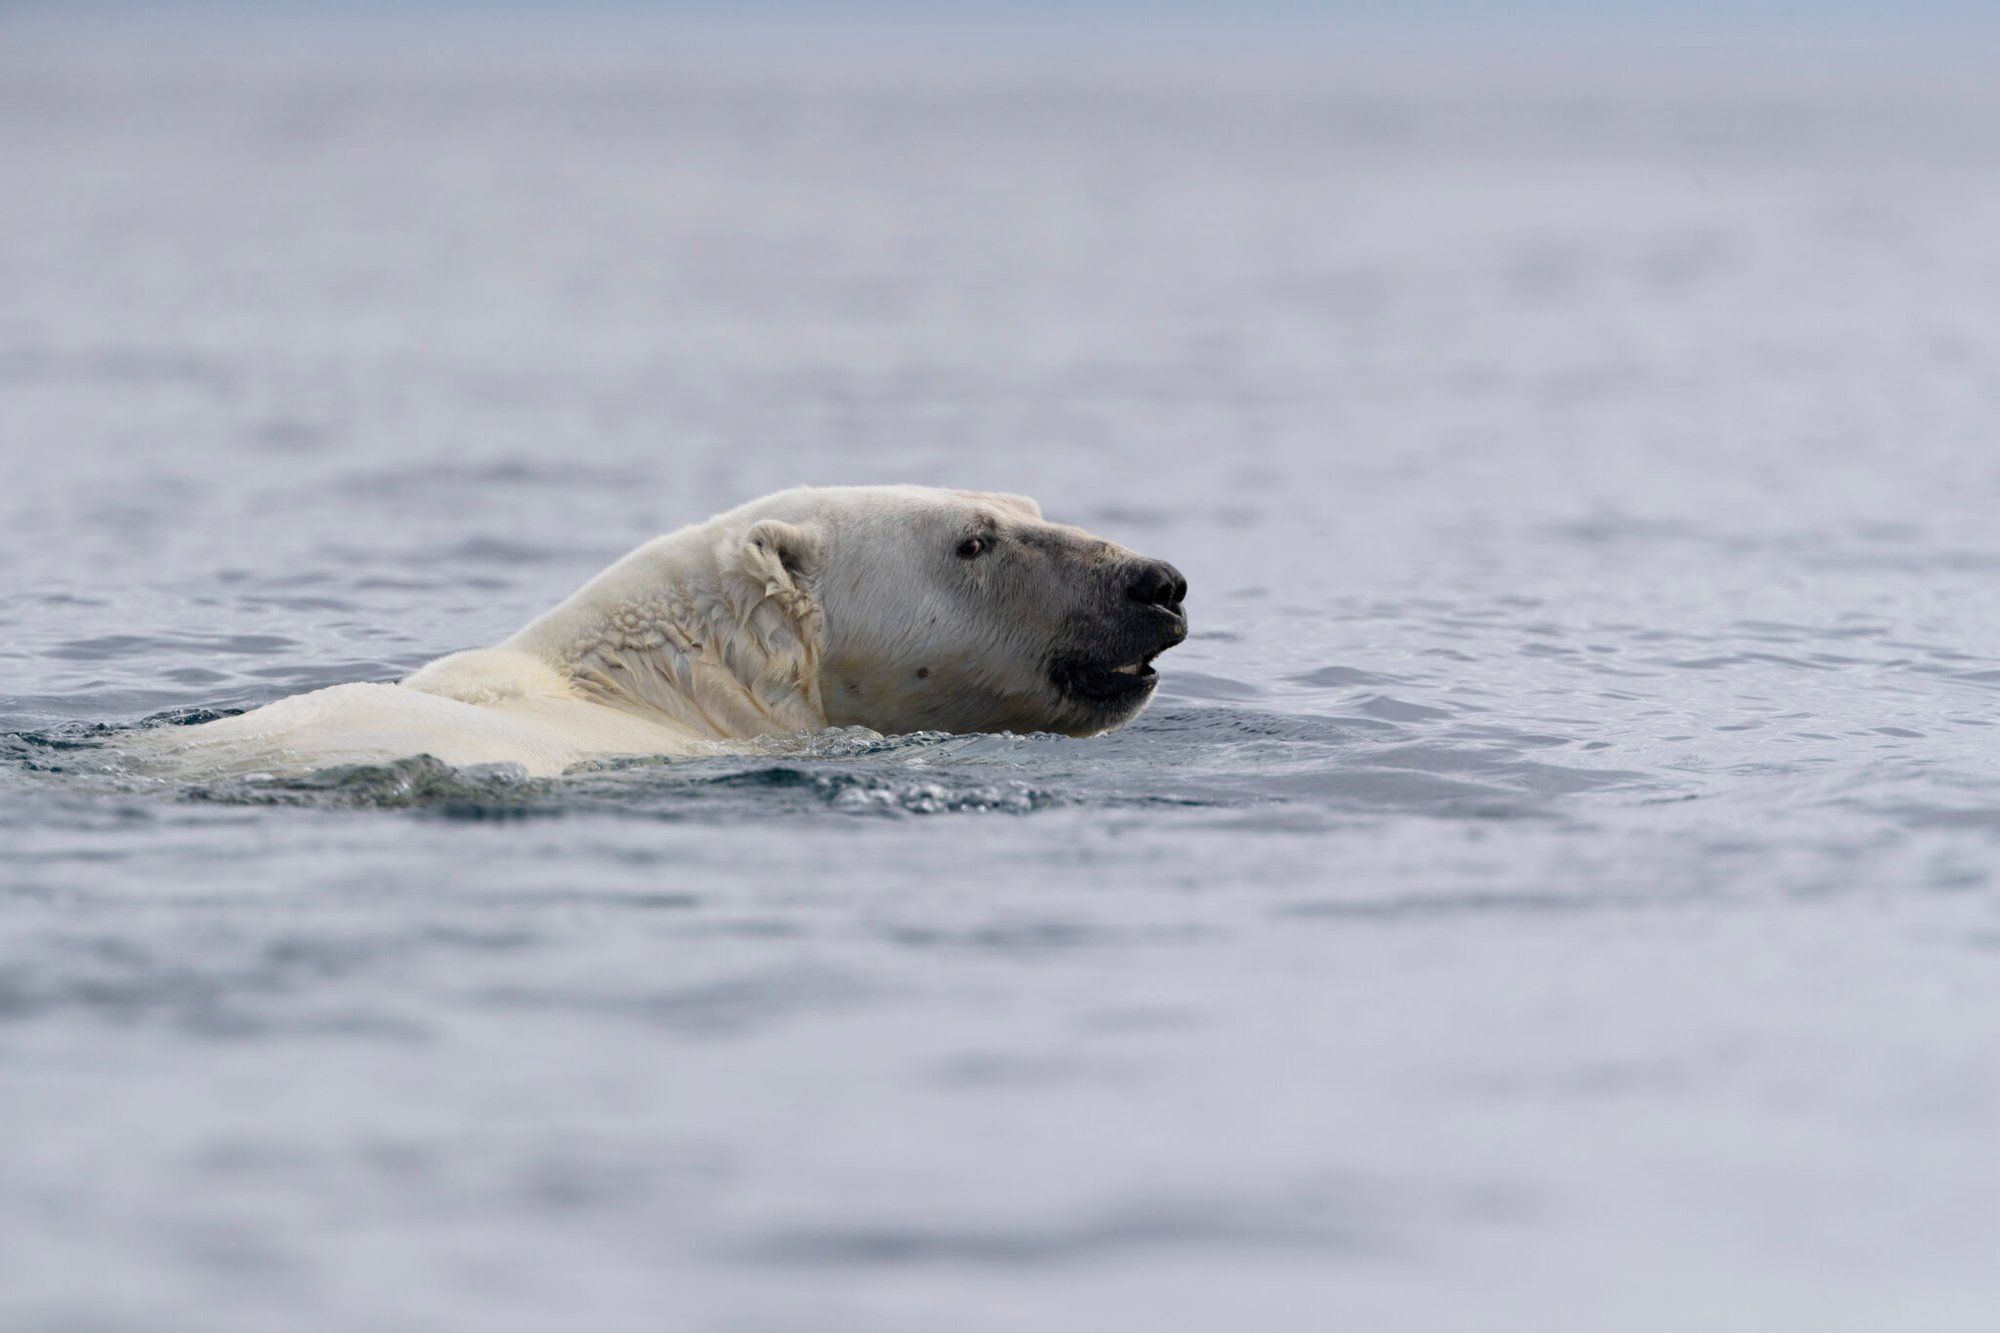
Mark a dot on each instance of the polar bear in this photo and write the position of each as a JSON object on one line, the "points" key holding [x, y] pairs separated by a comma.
{"points": [[896, 608]]}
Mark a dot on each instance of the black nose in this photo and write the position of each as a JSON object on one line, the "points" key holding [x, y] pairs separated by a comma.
{"points": [[1157, 583]]}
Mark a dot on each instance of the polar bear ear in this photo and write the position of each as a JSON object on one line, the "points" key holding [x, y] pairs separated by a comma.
{"points": [[784, 557]]}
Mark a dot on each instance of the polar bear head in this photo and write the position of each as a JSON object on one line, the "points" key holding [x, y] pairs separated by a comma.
{"points": [[945, 610]]}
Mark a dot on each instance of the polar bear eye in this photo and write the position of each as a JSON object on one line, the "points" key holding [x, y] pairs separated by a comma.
{"points": [[972, 547]]}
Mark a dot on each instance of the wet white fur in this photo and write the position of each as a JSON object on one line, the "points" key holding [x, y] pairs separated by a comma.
{"points": [[805, 609]]}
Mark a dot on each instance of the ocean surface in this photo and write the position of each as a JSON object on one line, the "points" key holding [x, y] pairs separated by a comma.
{"points": [[1552, 890]]}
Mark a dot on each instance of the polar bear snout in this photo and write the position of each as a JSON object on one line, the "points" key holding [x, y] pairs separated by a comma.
{"points": [[1153, 618], [1104, 670], [1157, 583]]}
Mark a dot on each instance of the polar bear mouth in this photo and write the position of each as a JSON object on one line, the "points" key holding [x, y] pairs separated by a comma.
{"points": [[1102, 683], [1103, 668]]}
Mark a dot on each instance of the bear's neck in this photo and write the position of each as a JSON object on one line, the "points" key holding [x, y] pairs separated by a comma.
{"points": [[677, 632]]}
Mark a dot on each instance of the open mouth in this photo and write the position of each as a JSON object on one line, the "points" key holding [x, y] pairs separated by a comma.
{"points": [[1100, 683], [1108, 669]]}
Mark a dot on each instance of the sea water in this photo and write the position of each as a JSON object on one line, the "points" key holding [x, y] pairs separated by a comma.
{"points": [[1553, 887]]}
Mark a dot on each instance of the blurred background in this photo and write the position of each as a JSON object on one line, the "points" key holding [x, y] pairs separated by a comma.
{"points": [[1553, 888]]}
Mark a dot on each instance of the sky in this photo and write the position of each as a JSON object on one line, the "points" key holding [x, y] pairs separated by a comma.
{"points": [[591, 22]]}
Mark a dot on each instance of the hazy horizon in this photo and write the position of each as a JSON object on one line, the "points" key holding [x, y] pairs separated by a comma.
{"points": [[1039, 25]]}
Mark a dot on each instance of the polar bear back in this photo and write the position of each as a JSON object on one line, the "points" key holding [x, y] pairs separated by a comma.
{"points": [[484, 710]]}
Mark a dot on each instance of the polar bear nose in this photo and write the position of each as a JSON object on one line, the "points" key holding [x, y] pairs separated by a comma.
{"points": [[1157, 583]]}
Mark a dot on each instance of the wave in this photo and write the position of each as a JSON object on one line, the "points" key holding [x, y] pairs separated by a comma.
{"points": [[1378, 759]]}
